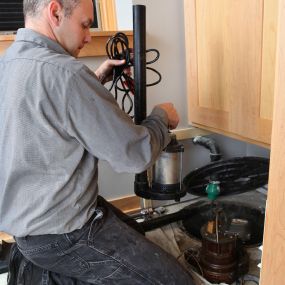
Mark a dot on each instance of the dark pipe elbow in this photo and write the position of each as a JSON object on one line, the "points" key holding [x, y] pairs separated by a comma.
{"points": [[210, 144]]}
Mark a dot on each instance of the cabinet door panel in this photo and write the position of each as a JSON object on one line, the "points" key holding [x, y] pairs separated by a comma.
{"points": [[230, 83], [268, 58], [211, 54]]}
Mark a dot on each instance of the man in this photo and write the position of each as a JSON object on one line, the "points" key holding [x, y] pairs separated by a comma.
{"points": [[56, 121]]}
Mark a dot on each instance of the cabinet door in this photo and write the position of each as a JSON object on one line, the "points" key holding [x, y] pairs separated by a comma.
{"points": [[230, 54], [273, 266]]}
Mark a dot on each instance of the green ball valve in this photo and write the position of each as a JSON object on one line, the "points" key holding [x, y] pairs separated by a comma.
{"points": [[213, 190]]}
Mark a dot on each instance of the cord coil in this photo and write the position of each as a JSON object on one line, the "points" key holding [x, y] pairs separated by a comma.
{"points": [[117, 47]]}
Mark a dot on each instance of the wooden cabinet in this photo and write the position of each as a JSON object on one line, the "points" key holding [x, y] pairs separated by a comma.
{"points": [[230, 59], [273, 265]]}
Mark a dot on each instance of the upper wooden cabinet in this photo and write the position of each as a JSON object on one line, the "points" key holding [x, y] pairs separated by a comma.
{"points": [[230, 54]]}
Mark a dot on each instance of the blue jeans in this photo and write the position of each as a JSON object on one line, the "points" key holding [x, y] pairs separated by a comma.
{"points": [[104, 251]]}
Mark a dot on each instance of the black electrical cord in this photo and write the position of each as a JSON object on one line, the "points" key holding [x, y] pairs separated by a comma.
{"points": [[117, 47]]}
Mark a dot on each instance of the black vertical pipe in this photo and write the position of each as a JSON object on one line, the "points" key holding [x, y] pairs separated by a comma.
{"points": [[139, 26], [139, 30]]}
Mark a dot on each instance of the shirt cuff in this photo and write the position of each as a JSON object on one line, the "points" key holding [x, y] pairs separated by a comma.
{"points": [[161, 113]]}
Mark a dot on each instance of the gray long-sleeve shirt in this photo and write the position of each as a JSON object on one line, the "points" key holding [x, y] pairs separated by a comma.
{"points": [[56, 121]]}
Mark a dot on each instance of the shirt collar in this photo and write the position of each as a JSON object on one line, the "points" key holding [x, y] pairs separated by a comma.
{"points": [[29, 35]]}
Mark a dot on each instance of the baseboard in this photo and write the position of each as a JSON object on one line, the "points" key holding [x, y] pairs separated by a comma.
{"points": [[128, 204], [5, 237]]}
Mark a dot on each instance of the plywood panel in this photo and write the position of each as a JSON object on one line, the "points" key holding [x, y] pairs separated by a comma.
{"points": [[273, 265]]}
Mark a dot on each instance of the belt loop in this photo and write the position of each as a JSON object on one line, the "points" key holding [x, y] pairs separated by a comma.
{"points": [[98, 220], [45, 277]]}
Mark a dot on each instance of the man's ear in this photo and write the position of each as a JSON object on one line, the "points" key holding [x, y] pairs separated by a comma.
{"points": [[55, 13]]}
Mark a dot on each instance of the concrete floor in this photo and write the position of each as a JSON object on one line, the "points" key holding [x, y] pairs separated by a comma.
{"points": [[3, 279]]}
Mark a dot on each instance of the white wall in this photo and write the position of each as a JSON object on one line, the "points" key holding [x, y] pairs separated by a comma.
{"points": [[124, 15], [165, 32]]}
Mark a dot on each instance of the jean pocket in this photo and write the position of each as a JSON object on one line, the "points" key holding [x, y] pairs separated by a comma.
{"points": [[101, 265], [55, 258], [70, 261], [113, 272]]}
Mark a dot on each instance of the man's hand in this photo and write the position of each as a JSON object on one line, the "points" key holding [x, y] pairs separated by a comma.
{"points": [[173, 118], [105, 70]]}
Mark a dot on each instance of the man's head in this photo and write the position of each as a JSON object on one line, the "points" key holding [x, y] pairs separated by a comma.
{"points": [[64, 21]]}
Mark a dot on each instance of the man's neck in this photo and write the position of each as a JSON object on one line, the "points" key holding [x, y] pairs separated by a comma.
{"points": [[40, 26]]}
